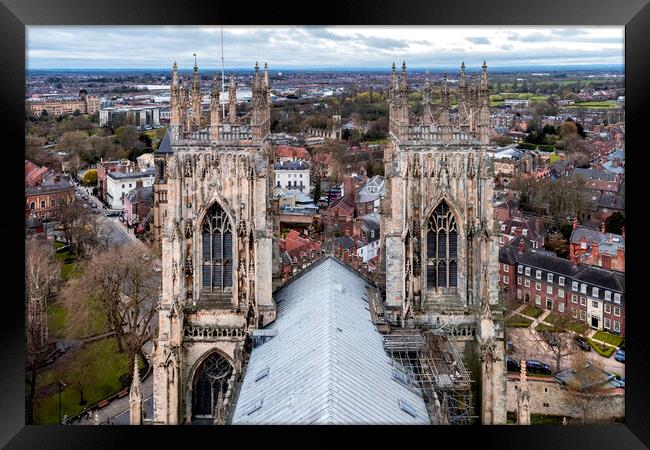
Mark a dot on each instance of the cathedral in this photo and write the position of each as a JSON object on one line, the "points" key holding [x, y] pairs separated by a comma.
{"points": [[214, 181]]}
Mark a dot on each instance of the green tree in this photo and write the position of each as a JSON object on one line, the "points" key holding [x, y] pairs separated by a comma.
{"points": [[90, 177]]}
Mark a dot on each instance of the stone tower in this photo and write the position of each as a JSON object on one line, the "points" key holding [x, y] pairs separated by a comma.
{"points": [[216, 252], [440, 257]]}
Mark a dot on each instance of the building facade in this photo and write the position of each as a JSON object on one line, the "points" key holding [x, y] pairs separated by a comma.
{"points": [[292, 175], [119, 184], [85, 104], [439, 252], [585, 293], [217, 250]]}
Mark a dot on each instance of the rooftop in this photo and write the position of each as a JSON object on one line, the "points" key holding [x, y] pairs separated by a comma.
{"points": [[327, 363]]}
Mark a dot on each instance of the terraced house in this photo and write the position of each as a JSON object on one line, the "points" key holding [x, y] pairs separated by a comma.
{"points": [[584, 292]]}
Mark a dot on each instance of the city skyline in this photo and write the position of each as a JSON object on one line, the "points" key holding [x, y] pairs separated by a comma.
{"points": [[314, 47]]}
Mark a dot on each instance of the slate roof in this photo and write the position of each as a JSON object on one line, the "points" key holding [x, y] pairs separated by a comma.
{"points": [[594, 174], [291, 165], [606, 241], [327, 364], [165, 145]]}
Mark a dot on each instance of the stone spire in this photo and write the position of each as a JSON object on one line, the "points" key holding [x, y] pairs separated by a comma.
{"points": [[135, 396], [215, 106], [444, 102], [427, 117], [196, 98], [174, 118], [232, 100], [523, 397], [404, 83], [185, 104], [266, 84], [393, 86]]}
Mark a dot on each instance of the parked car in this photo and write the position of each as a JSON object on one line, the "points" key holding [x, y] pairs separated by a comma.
{"points": [[618, 383], [549, 338], [583, 344], [112, 214], [620, 356], [534, 366], [94, 205], [512, 365]]}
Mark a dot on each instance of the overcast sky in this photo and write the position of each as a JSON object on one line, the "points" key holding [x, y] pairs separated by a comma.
{"points": [[303, 47]]}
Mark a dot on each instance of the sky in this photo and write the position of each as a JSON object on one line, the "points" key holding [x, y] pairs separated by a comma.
{"points": [[313, 47]]}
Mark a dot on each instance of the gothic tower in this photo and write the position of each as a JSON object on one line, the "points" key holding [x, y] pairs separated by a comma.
{"points": [[216, 253], [439, 249]]}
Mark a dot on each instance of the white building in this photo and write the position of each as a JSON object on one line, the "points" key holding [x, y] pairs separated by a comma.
{"points": [[141, 116], [292, 175], [119, 184]]}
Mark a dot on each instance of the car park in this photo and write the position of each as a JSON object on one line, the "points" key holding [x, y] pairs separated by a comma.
{"points": [[620, 355], [534, 366], [582, 344]]}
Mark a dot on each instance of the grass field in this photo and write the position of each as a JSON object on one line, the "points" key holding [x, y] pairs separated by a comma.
{"points": [[609, 338], [103, 367], [600, 104], [67, 269], [576, 326], [56, 316]]}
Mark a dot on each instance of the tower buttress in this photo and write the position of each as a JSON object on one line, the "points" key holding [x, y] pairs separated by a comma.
{"points": [[174, 119], [232, 100], [196, 99], [135, 396]]}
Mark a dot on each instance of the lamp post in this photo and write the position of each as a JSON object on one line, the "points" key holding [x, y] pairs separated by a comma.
{"points": [[61, 383]]}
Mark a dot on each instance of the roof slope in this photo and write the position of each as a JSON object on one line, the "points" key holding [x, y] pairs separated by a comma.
{"points": [[327, 364]]}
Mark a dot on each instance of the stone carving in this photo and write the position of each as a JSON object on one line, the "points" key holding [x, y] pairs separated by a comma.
{"points": [[200, 165], [188, 166], [188, 228], [172, 167], [189, 270]]}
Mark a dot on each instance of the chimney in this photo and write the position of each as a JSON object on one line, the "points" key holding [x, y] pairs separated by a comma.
{"points": [[594, 249], [575, 223], [522, 246]]}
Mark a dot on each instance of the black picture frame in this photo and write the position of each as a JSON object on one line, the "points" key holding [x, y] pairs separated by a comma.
{"points": [[15, 15]]}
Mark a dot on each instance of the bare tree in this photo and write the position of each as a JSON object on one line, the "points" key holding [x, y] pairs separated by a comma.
{"points": [[583, 388], [41, 272], [121, 284], [79, 226], [561, 335]]}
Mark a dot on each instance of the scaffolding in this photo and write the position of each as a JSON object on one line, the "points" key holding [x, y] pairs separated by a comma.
{"points": [[428, 363]]}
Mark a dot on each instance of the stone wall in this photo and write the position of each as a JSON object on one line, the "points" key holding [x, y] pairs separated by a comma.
{"points": [[547, 396]]}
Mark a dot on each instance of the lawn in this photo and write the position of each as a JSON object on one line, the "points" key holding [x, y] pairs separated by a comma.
{"points": [[612, 339], [68, 260], [576, 326], [605, 351], [103, 367], [601, 104], [56, 316], [517, 321], [532, 311]]}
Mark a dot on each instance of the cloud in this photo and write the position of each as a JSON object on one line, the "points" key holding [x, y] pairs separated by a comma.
{"points": [[479, 40], [157, 47]]}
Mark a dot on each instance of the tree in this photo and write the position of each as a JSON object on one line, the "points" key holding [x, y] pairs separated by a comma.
{"points": [[614, 223], [369, 169], [33, 146], [41, 273], [128, 136], [317, 190], [73, 368], [90, 177], [79, 226], [122, 284], [583, 388]]}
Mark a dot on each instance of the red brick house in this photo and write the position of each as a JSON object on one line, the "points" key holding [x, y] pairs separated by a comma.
{"points": [[586, 293], [597, 248]]}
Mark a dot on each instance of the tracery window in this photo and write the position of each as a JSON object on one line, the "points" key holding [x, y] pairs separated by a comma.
{"points": [[217, 250], [210, 382], [442, 248]]}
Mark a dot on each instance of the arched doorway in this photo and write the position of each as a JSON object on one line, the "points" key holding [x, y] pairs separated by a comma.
{"points": [[210, 385]]}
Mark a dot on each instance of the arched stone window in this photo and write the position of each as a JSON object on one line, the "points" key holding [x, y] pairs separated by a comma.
{"points": [[216, 264], [210, 383], [442, 248]]}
